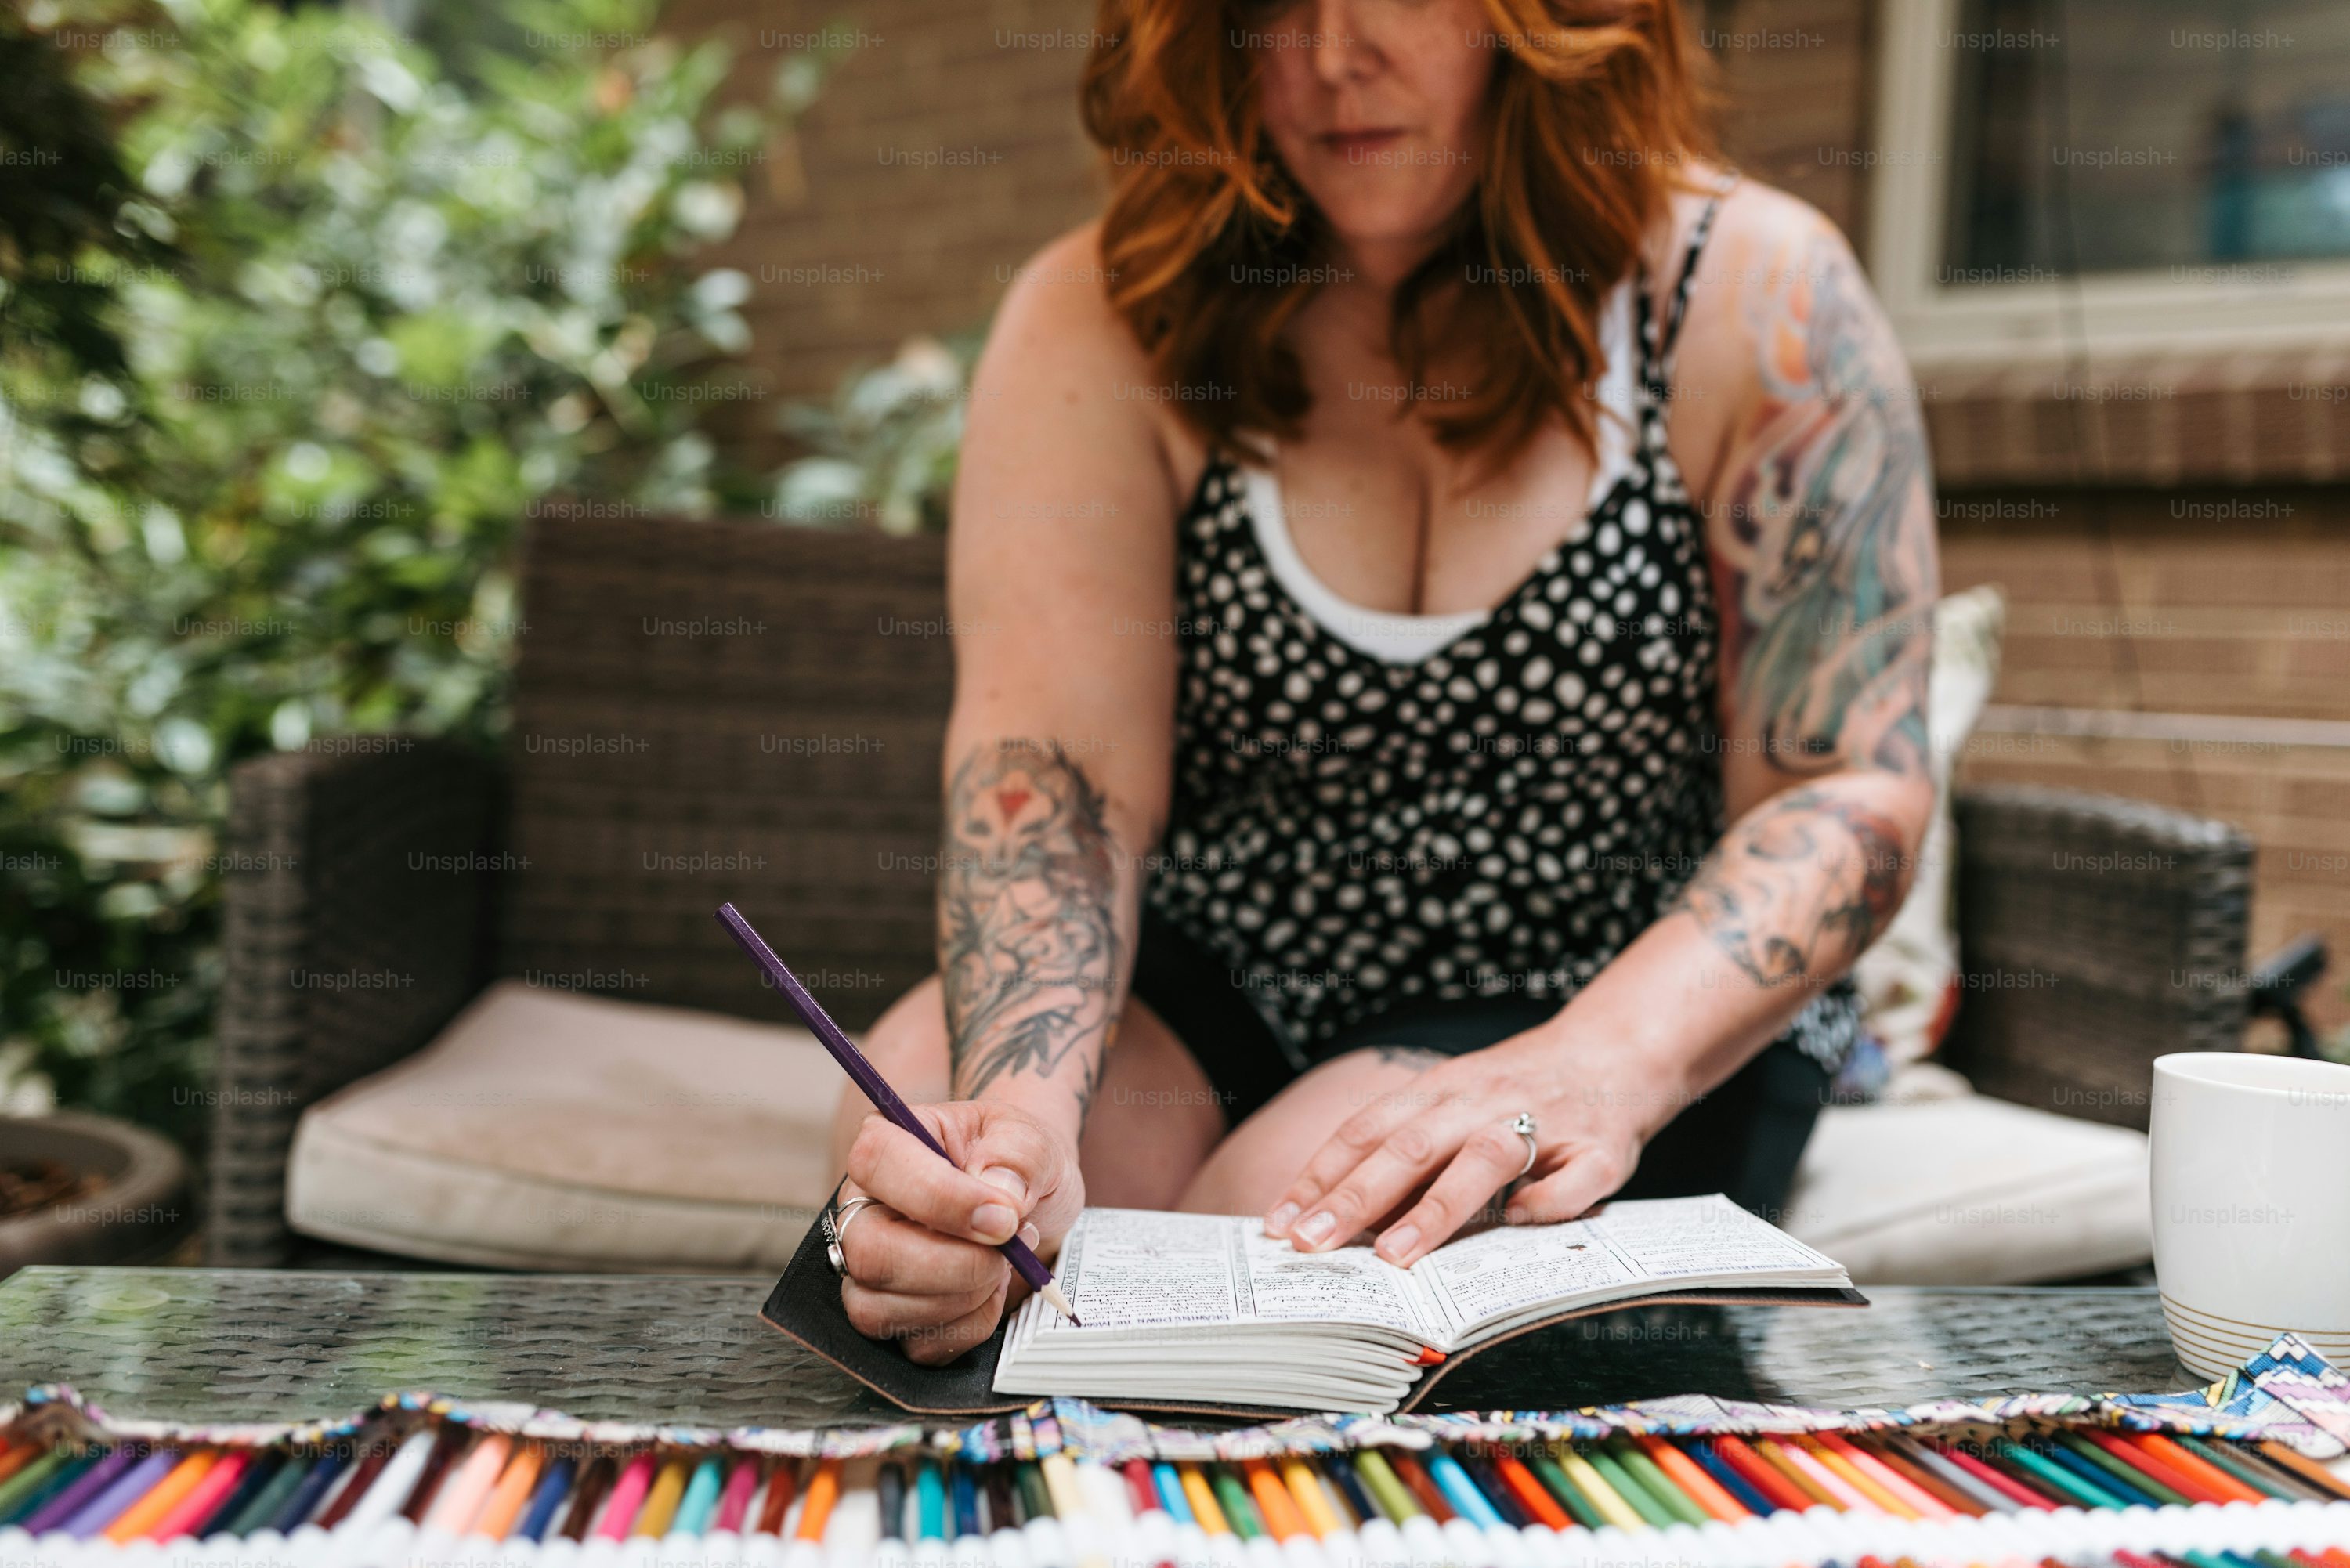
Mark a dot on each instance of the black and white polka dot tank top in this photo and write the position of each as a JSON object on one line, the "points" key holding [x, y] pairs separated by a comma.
{"points": [[1356, 826]]}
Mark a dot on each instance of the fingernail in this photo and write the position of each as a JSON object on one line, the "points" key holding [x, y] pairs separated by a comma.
{"points": [[1315, 1228], [994, 1220], [1278, 1220], [1399, 1241], [1031, 1237], [1008, 1179]]}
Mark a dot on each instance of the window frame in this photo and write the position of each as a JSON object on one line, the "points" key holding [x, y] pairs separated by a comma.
{"points": [[2296, 305]]}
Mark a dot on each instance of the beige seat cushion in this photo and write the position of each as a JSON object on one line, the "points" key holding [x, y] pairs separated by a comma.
{"points": [[547, 1130], [1963, 1189]]}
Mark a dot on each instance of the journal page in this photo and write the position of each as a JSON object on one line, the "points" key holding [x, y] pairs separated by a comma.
{"points": [[1496, 1274], [1675, 1238], [1137, 1268]]}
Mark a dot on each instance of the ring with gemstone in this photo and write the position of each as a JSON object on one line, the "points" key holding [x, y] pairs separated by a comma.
{"points": [[1523, 1124]]}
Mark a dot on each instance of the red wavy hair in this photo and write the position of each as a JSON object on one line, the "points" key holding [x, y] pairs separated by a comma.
{"points": [[1595, 107]]}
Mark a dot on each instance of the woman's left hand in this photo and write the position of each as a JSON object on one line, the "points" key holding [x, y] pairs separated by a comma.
{"points": [[1449, 1133]]}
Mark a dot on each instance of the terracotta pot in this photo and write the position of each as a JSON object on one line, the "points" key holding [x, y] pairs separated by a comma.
{"points": [[138, 1213]]}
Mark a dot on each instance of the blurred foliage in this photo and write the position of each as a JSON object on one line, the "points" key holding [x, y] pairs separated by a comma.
{"points": [[296, 327], [884, 448]]}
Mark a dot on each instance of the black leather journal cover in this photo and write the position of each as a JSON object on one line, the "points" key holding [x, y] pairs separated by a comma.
{"points": [[806, 1304]]}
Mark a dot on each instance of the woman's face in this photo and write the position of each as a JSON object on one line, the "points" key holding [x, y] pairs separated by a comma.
{"points": [[1376, 107]]}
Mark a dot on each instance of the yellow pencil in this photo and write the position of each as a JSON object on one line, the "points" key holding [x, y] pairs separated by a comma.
{"points": [[1605, 1498], [1202, 1499], [1306, 1487]]}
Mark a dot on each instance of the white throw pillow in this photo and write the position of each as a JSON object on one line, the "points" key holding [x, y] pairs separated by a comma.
{"points": [[1908, 977]]}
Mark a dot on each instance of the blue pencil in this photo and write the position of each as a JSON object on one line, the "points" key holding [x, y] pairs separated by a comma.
{"points": [[553, 1488], [1170, 1493], [305, 1496], [701, 1499], [966, 1501], [1731, 1481], [1459, 1490]]}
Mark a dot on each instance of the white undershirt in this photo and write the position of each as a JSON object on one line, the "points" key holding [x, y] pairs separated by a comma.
{"points": [[1402, 638]]}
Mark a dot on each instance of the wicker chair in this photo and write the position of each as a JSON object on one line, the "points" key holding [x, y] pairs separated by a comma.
{"points": [[715, 709]]}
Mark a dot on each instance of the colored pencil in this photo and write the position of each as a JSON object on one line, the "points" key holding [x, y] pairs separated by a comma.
{"points": [[662, 1498], [148, 1509], [875, 1087], [1695, 1483], [510, 1494], [548, 1497]]}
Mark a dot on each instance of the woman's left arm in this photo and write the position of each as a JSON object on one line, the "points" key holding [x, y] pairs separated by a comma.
{"points": [[1819, 520]]}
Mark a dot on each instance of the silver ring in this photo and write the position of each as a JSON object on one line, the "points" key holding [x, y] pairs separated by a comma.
{"points": [[1523, 1124], [835, 1225]]}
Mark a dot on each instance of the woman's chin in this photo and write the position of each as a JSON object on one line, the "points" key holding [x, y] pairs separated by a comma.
{"points": [[1379, 221]]}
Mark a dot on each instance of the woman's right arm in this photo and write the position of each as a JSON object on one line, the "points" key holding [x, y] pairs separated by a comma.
{"points": [[1058, 753]]}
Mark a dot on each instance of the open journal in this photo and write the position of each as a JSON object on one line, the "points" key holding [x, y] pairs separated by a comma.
{"points": [[1182, 1308]]}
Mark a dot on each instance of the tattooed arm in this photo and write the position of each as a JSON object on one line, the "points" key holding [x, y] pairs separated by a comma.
{"points": [[1821, 522], [1060, 585], [1030, 902], [1821, 533]]}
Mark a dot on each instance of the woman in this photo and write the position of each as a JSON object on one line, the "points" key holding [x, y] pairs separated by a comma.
{"points": [[1443, 577]]}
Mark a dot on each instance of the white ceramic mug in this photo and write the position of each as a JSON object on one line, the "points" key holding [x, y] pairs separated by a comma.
{"points": [[2251, 1205]]}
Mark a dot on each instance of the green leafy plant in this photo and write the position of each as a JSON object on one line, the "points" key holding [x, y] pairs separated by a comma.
{"points": [[285, 370], [884, 447]]}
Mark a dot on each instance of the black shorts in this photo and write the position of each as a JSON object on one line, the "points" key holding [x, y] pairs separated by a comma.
{"points": [[1743, 1139]]}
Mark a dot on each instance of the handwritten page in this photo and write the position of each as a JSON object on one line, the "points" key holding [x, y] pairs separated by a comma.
{"points": [[1673, 1237], [1346, 1284], [1138, 1268], [1499, 1272], [1133, 1268]]}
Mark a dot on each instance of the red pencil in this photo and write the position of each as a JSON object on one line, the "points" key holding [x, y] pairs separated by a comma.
{"points": [[1761, 1475]]}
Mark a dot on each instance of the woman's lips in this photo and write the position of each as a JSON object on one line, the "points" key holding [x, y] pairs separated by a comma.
{"points": [[1354, 143]]}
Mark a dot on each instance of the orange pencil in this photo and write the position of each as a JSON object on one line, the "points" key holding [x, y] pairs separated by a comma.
{"points": [[1532, 1495], [508, 1497], [1273, 1501], [1806, 1482], [204, 1496], [2214, 1478], [1924, 1505], [823, 1488], [1864, 1491], [2140, 1457], [148, 1512], [17, 1458], [1761, 1475], [2309, 1470], [1703, 1489]]}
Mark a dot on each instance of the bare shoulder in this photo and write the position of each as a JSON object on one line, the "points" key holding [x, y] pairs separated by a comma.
{"points": [[1061, 364], [1060, 434], [1775, 280]]}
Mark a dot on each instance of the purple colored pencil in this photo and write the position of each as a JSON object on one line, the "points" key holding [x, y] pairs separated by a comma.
{"points": [[132, 1485], [88, 1484], [875, 1088]]}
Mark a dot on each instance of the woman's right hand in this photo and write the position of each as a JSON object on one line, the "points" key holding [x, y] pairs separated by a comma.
{"points": [[923, 1264]]}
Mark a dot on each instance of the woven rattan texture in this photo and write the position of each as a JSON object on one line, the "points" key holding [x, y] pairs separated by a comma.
{"points": [[715, 711], [2097, 934], [204, 1344], [355, 912]]}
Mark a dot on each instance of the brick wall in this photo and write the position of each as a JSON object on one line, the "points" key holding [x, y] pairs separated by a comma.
{"points": [[942, 151], [2131, 601]]}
